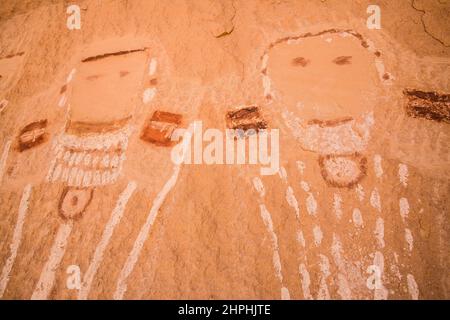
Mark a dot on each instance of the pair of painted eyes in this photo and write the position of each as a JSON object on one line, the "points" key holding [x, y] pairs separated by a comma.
{"points": [[340, 61]]}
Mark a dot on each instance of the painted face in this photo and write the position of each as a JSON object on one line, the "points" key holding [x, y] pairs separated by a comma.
{"points": [[104, 87], [329, 85], [324, 78], [102, 103]]}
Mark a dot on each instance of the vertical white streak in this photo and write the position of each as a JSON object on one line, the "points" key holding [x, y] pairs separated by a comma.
{"points": [[285, 294], [306, 281], [301, 238], [379, 232], [357, 218], [47, 277], [16, 239], [409, 239], [360, 192], [318, 235], [337, 205], [132, 259], [375, 200], [380, 293], [324, 294], [292, 201], [413, 288], [152, 67], [403, 174], [259, 186], [267, 219], [343, 286], [311, 204], [4, 157], [283, 174], [301, 166], [404, 208], [377, 166], [114, 220]]}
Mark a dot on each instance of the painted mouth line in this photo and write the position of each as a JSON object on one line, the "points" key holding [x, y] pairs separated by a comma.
{"points": [[82, 127], [330, 123]]}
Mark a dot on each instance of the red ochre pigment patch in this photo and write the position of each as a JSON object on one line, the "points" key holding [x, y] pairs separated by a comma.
{"points": [[343, 60], [158, 130], [32, 135], [247, 118], [343, 171], [300, 61], [73, 202], [428, 105]]}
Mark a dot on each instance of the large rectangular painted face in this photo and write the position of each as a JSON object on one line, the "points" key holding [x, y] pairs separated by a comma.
{"points": [[105, 87]]}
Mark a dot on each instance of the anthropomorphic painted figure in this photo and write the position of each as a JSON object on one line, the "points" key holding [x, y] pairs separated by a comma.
{"points": [[329, 94]]}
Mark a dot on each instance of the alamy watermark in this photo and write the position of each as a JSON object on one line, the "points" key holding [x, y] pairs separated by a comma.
{"points": [[229, 146]]}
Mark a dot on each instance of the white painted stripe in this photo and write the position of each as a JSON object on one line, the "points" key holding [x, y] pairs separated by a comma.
{"points": [[413, 288], [62, 101], [404, 208], [292, 201], [121, 286], [311, 204], [380, 292], [409, 239], [360, 192], [379, 232], [343, 285], [47, 278], [377, 166], [148, 95], [114, 220], [71, 75], [306, 281], [318, 235], [301, 238], [16, 239], [324, 293], [285, 294], [357, 218], [301, 166], [403, 174], [283, 174], [337, 205], [4, 157], [259, 186], [267, 219], [132, 259], [152, 67], [375, 200]]}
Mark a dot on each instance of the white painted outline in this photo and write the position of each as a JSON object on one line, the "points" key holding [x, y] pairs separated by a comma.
{"points": [[114, 220], [16, 239]]}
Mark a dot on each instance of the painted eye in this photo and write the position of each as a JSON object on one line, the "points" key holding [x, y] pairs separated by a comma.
{"points": [[93, 77], [300, 61], [342, 60]]}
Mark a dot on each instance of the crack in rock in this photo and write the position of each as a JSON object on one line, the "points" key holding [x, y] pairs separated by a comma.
{"points": [[425, 26]]}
